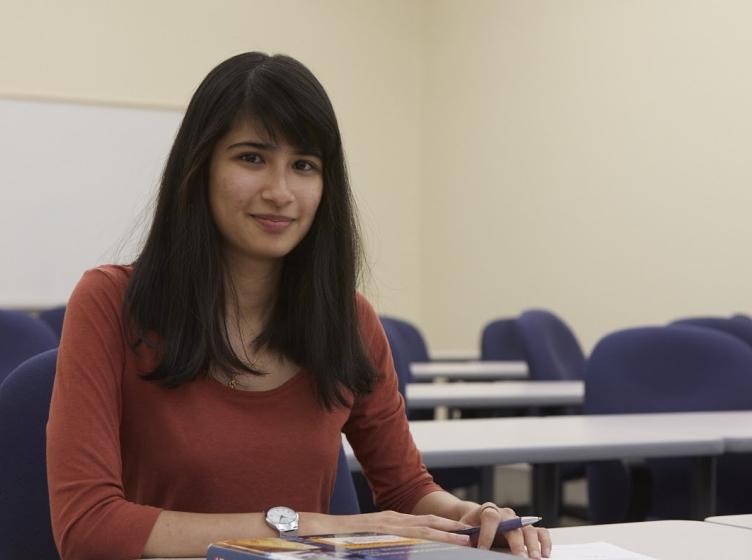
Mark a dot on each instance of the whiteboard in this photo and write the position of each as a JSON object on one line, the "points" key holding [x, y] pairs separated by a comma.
{"points": [[78, 183]]}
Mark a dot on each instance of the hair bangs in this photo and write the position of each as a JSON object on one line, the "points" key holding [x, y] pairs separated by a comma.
{"points": [[282, 116]]}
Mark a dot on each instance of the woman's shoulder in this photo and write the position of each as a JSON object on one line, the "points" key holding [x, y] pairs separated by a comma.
{"points": [[371, 331], [107, 281], [116, 275], [367, 316]]}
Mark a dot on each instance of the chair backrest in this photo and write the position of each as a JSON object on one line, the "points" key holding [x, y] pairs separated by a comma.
{"points": [[413, 341], [500, 340], [54, 318], [398, 347], [736, 326], [21, 337], [551, 348], [667, 369], [25, 527], [344, 500]]}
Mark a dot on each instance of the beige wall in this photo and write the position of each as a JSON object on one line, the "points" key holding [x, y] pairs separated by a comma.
{"points": [[588, 156], [593, 157]]}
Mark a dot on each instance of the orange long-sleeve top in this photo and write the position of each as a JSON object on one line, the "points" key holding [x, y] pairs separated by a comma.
{"points": [[121, 449]]}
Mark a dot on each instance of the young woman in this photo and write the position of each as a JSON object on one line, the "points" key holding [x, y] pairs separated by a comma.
{"points": [[210, 381]]}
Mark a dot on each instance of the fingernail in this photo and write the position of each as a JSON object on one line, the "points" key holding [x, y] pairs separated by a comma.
{"points": [[534, 554]]}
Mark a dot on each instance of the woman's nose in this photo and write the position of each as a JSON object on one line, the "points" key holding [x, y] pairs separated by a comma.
{"points": [[277, 189]]}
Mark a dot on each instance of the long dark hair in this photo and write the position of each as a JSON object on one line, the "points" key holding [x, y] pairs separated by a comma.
{"points": [[177, 289]]}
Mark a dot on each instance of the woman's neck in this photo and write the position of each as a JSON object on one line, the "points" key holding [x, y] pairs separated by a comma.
{"points": [[251, 288]]}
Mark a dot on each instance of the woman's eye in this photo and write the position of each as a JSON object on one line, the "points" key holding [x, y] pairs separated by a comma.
{"points": [[304, 165], [250, 158]]}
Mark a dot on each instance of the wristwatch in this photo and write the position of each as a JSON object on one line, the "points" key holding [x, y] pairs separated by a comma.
{"points": [[284, 520]]}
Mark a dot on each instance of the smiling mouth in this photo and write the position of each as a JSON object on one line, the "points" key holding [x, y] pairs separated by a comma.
{"points": [[271, 223], [272, 218]]}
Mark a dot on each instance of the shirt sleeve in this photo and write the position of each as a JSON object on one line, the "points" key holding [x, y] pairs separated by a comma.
{"points": [[91, 519], [378, 430]]}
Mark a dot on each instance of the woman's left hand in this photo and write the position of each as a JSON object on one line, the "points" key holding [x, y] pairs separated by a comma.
{"points": [[529, 540]]}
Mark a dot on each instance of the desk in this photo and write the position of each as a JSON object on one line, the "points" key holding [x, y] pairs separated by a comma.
{"points": [[735, 427], [469, 371], [545, 441], [743, 521], [495, 394], [665, 540], [450, 355]]}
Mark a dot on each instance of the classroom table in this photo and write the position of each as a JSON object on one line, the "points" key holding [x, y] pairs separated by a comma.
{"points": [[469, 371], [454, 355], [734, 426], [664, 540], [495, 394], [743, 521], [547, 441]]}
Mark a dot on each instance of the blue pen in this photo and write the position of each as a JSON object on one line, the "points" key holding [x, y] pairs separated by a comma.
{"points": [[504, 526]]}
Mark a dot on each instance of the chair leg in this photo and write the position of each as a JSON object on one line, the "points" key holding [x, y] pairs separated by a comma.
{"points": [[546, 493], [641, 492]]}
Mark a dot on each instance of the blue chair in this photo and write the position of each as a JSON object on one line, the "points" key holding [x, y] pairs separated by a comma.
{"points": [[667, 369], [735, 326], [25, 527], [400, 354], [500, 340], [344, 500], [413, 342], [21, 337], [554, 354], [54, 319], [552, 350]]}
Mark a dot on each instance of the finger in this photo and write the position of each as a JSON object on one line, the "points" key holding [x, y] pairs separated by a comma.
{"points": [[489, 521], [515, 538], [532, 542], [545, 539], [428, 533]]}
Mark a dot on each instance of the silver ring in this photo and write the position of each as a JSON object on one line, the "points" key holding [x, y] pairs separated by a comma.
{"points": [[489, 505]]}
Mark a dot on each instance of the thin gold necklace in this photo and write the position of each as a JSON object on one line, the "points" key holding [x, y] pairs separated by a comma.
{"points": [[232, 377]]}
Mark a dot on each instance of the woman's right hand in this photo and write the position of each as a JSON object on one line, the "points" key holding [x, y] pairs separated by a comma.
{"points": [[430, 527]]}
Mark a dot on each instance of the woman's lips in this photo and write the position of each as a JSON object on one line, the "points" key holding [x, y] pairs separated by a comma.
{"points": [[271, 223]]}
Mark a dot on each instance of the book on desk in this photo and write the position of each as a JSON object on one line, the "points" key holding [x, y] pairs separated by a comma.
{"points": [[349, 546]]}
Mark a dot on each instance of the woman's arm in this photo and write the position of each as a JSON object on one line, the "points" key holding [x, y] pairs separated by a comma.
{"points": [[178, 534], [91, 518], [189, 534]]}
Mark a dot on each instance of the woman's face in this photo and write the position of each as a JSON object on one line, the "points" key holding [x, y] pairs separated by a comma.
{"points": [[263, 196]]}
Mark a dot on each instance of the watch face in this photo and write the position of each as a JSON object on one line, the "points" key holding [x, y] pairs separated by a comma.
{"points": [[281, 515]]}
